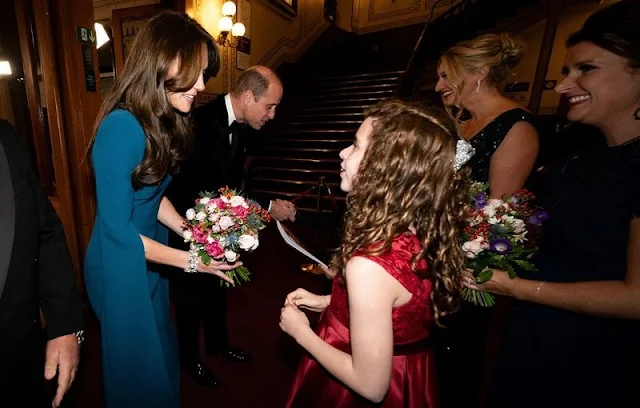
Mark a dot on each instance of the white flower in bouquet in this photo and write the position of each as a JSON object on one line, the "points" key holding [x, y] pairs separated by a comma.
{"points": [[518, 226], [210, 239], [236, 201], [204, 200], [224, 199], [230, 255], [201, 215], [187, 235], [214, 217], [215, 228], [191, 214], [225, 222], [247, 242], [473, 248]]}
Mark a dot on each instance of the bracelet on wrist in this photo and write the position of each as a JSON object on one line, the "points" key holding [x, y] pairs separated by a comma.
{"points": [[192, 264]]}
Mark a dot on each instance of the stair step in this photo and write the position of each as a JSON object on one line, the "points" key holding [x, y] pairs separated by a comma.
{"points": [[337, 104], [330, 115], [365, 75], [293, 181], [367, 87], [353, 109], [337, 123], [326, 165], [366, 81], [306, 175], [316, 131], [339, 95], [294, 170]]}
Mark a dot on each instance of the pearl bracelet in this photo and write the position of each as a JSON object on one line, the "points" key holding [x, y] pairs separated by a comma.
{"points": [[192, 265]]}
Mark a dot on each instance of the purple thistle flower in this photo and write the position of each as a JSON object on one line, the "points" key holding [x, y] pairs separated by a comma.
{"points": [[500, 246], [481, 200]]}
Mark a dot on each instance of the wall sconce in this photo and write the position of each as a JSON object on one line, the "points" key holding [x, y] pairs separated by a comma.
{"points": [[5, 68], [226, 26]]}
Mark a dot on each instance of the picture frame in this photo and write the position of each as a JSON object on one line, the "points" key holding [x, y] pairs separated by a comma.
{"points": [[290, 7]]}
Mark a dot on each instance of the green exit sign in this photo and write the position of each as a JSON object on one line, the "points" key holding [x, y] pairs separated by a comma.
{"points": [[86, 35]]}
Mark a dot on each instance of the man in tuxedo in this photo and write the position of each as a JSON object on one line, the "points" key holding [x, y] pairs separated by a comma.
{"points": [[223, 132], [36, 273]]}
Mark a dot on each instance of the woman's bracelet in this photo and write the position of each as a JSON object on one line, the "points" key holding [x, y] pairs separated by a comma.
{"points": [[192, 264], [539, 287]]}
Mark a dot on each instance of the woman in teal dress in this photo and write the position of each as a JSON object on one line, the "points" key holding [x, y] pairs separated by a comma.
{"points": [[141, 133]]}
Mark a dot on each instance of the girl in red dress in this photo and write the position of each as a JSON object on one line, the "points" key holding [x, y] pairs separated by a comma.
{"points": [[397, 268]]}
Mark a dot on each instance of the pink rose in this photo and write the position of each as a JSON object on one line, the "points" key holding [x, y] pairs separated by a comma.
{"points": [[220, 203], [240, 211], [214, 249], [199, 236]]}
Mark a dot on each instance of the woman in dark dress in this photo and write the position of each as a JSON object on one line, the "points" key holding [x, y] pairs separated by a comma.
{"points": [[574, 333], [506, 147]]}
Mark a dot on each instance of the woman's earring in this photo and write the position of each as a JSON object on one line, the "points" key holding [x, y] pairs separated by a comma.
{"points": [[636, 114], [478, 88]]}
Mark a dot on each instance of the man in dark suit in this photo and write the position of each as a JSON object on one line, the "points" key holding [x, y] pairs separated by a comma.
{"points": [[223, 131], [35, 272]]}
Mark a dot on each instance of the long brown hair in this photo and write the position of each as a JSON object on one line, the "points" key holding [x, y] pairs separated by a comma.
{"points": [[407, 178], [142, 89]]}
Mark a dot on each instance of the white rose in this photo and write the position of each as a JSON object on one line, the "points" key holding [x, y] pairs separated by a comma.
{"points": [[489, 211], [473, 247], [191, 214], [518, 226], [494, 202], [204, 200], [255, 243], [215, 228], [236, 201], [246, 242], [187, 235], [214, 217], [225, 222], [201, 215], [230, 255], [224, 199]]}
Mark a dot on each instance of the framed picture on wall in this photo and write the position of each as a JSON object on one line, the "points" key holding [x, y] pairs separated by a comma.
{"points": [[288, 6]]}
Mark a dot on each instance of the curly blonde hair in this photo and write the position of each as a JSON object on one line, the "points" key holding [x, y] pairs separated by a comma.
{"points": [[406, 178]]}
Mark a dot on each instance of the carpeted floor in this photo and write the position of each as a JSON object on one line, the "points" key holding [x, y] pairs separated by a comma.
{"points": [[253, 315]]}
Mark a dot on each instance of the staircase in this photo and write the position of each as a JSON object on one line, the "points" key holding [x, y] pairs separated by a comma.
{"points": [[300, 149], [301, 153]]}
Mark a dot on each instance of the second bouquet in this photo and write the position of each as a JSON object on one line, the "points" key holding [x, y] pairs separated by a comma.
{"points": [[221, 226]]}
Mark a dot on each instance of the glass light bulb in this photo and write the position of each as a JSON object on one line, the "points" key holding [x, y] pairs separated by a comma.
{"points": [[229, 9], [5, 68], [237, 30], [225, 24]]}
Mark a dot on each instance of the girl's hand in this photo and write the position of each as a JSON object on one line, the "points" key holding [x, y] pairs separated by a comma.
{"points": [[499, 284], [303, 298], [293, 321], [215, 268]]}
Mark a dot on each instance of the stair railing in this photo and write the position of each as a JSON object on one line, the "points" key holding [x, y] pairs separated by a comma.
{"points": [[412, 72]]}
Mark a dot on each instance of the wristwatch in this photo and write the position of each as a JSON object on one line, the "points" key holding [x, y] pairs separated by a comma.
{"points": [[80, 336]]}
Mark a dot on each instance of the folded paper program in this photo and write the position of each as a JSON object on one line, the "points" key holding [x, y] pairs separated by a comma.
{"points": [[290, 239]]}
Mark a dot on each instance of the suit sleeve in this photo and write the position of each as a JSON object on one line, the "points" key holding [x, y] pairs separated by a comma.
{"points": [[58, 291]]}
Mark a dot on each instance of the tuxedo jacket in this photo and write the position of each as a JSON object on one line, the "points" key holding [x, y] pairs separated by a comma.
{"points": [[212, 162], [35, 266]]}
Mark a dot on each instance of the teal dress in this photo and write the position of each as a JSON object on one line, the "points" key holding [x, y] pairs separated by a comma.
{"points": [[139, 347]]}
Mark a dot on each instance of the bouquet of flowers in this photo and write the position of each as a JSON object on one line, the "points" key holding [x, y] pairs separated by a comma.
{"points": [[220, 226], [496, 236]]}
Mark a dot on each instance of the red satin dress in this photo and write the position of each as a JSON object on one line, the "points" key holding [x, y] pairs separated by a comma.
{"points": [[413, 382]]}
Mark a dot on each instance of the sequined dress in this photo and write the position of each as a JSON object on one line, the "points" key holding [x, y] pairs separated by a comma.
{"points": [[459, 365], [487, 141], [556, 358], [413, 382]]}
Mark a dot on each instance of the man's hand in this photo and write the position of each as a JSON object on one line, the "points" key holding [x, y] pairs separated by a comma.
{"points": [[62, 357], [283, 210]]}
